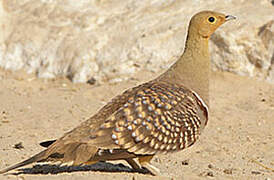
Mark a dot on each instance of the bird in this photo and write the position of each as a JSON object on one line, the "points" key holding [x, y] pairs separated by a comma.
{"points": [[164, 115]]}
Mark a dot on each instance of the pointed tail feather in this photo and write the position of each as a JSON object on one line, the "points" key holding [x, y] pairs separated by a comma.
{"points": [[35, 158], [47, 143]]}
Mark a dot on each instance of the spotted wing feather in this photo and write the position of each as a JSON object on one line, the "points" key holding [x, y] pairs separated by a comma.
{"points": [[157, 117]]}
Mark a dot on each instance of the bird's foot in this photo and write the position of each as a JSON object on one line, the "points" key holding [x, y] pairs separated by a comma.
{"points": [[152, 169], [145, 163]]}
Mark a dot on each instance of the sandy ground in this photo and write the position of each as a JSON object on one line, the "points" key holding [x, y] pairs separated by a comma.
{"points": [[238, 142]]}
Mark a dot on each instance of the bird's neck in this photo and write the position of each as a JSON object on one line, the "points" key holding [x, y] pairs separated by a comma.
{"points": [[192, 70]]}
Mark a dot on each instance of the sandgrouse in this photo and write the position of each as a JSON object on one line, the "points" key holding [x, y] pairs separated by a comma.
{"points": [[164, 115]]}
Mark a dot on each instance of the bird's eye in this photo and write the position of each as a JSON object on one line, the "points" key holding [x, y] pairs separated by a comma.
{"points": [[211, 19]]}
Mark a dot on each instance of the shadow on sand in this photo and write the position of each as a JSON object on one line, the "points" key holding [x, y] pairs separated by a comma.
{"points": [[56, 169]]}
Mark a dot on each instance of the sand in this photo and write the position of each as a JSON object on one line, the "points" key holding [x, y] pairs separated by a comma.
{"points": [[238, 142]]}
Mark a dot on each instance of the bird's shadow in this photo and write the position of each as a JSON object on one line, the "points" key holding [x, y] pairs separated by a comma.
{"points": [[56, 169]]}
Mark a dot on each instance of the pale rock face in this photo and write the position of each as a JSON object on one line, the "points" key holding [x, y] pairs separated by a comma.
{"points": [[245, 51], [266, 34], [111, 40]]}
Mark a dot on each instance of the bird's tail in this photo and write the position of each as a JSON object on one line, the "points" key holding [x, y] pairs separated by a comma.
{"points": [[35, 158]]}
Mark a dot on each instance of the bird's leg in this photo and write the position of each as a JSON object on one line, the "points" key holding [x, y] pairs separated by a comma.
{"points": [[145, 163], [133, 164]]}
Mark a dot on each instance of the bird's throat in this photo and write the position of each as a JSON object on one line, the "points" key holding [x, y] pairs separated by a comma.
{"points": [[192, 70]]}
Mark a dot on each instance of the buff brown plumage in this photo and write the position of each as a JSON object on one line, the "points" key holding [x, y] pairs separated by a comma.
{"points": [[164, 115]]}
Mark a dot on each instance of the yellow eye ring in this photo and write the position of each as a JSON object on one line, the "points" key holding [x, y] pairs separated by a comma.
{"points": [[211, 19]]}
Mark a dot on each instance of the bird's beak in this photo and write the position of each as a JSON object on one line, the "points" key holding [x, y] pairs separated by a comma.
{"points": [[229, 17]]}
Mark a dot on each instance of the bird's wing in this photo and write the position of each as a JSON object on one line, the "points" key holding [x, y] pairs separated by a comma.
{"points": [[154, 117], [158, 117]]}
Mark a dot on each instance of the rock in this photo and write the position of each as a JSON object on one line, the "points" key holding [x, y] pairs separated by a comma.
{"points": [[267, 35], [245, 51], [111, 40]]}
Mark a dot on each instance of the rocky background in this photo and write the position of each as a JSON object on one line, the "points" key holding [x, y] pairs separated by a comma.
{"points": [[111, 40]]}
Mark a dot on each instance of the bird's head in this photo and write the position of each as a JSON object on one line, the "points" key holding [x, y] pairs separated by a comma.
{"points": [[205, 23]]}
